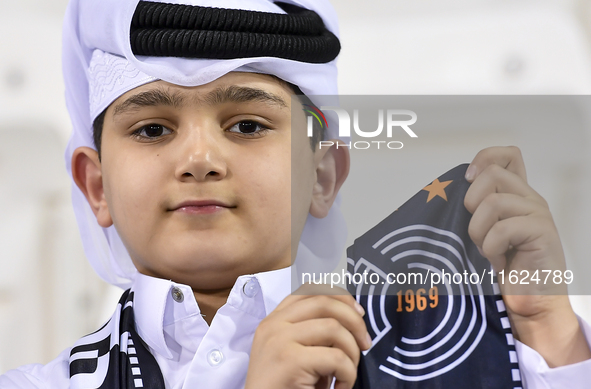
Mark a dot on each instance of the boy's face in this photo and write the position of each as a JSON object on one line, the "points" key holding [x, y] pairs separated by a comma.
{"points": [[198, 180]]}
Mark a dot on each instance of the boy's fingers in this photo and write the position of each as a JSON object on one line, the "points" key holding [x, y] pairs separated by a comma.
{"points": [[315, 289], [495, 179], [324, 383], [496, 207], [327, 307], [307, 291], [310, 290], [521, 233], [331, 362], [327, 333], [508, 158]]}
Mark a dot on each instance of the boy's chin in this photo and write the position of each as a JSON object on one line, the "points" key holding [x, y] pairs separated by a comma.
{"points": [[202, 272]]}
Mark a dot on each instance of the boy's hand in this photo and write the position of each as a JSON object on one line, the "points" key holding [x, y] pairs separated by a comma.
{"points": [[307, 340], [512, 227]]}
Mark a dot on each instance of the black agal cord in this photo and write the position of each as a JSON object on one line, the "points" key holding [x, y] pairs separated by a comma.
{"points": [[173, 30]]}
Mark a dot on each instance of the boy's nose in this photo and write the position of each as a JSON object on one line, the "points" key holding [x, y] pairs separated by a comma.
{"points": [[201, 160]]}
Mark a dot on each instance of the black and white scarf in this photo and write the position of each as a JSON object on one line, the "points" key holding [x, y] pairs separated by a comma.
{"points": [[115, 357], [431, 336]]}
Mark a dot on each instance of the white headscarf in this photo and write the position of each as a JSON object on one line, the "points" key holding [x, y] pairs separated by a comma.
{"points": [[99, 66]]}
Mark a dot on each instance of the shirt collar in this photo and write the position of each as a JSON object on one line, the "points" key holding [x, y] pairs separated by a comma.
{"points": [[275, 285], [156, 301]]}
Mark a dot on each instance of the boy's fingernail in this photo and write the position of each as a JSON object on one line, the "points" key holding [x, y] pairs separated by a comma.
{"points": [[359, 308], [368, 340], [470, 173]]}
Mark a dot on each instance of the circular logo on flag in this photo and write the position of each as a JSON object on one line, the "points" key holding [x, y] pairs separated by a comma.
{"points": [[426, 316]]}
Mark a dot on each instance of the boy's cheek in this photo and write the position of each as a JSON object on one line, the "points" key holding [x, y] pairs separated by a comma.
{"points": [[131, 196]]}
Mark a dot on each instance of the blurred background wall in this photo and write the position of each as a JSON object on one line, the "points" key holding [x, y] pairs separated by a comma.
{"points": [[49, 295]]}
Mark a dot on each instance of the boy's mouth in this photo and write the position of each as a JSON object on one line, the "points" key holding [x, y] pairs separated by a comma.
{"points": [[201, 206]]}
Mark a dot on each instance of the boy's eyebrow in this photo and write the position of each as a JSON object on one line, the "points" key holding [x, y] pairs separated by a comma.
{"points": [[149, 98], [243, 94], [220, 95]]}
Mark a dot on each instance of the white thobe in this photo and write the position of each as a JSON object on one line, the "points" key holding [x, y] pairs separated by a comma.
{"points": [[192, 354]]}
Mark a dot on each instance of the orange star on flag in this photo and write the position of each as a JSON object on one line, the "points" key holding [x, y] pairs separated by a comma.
{"points": [[437, 188]]}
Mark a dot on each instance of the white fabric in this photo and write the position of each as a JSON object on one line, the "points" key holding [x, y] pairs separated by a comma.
{"points": [[536, 373], [105, 25], [110, 76], [181, 340]]}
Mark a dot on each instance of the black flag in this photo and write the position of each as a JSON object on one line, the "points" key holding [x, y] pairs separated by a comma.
{"points": [[433, 307]]}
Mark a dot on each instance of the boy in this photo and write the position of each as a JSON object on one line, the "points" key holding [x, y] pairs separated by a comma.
{"points": [[188, 173]]}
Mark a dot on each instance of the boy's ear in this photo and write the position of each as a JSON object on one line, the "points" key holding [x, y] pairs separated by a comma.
{"points": [[87, 174], [332, 168]]}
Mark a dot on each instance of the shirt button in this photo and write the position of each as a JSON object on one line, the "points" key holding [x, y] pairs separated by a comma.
{"points": [[250, 288], [177, 294], [215, 357]]}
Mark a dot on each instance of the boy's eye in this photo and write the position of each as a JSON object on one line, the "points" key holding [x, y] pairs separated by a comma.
{"points": [[152, 131], [248, 127]]}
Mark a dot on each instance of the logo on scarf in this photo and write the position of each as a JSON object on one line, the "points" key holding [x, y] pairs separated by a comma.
{"points": [[452, 333]]}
